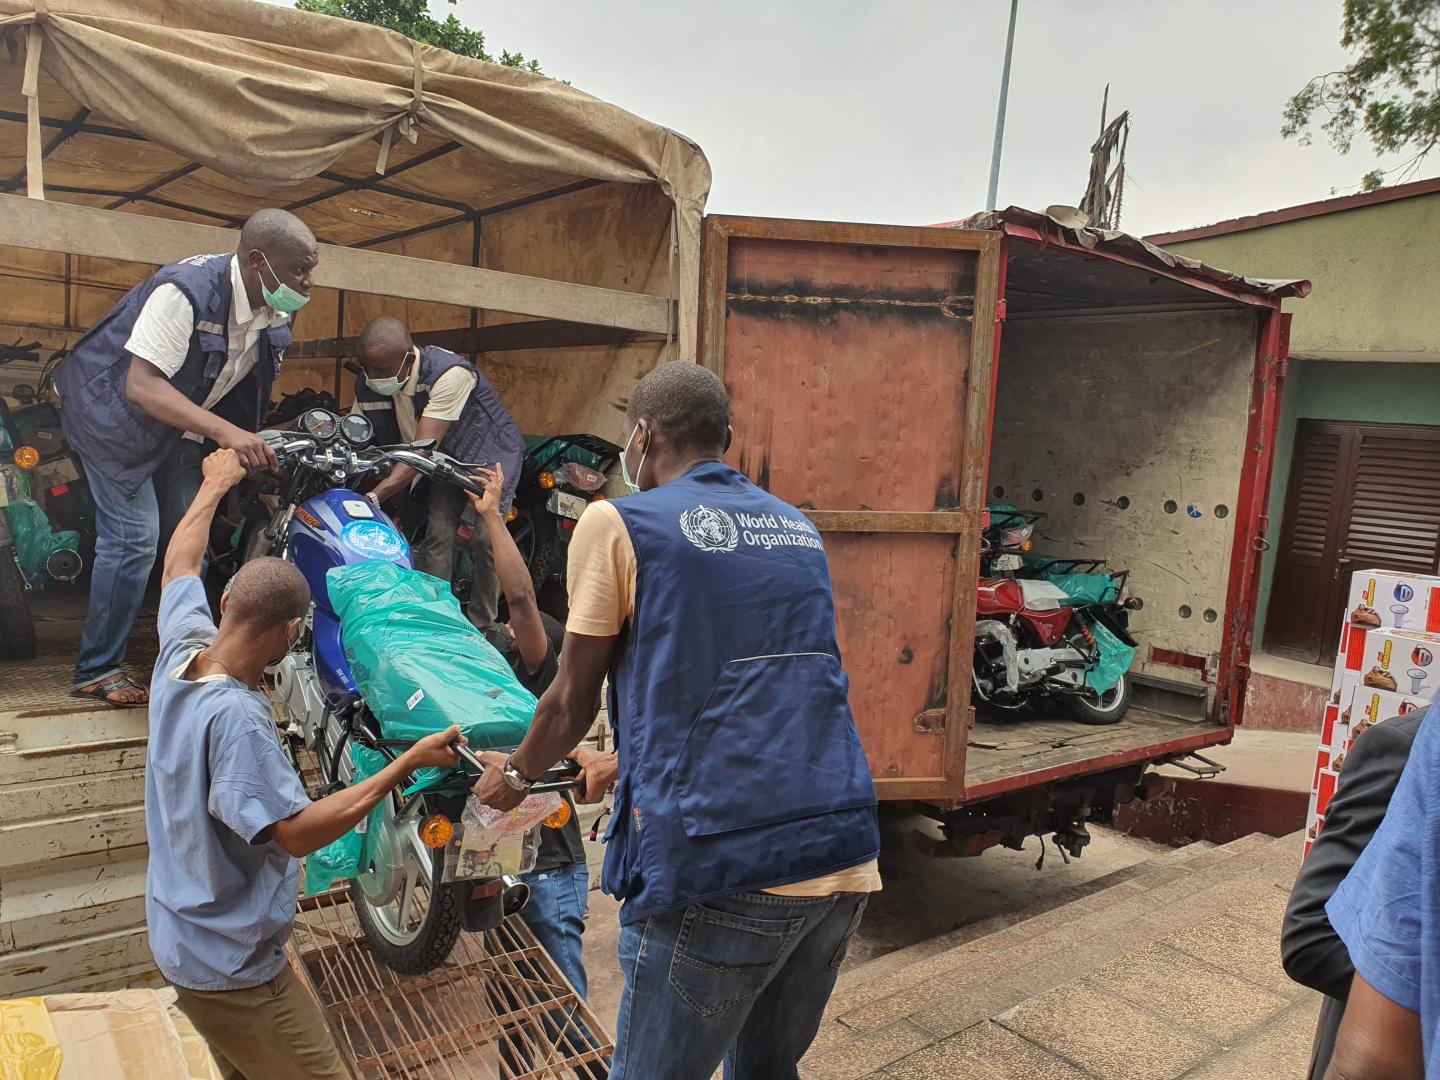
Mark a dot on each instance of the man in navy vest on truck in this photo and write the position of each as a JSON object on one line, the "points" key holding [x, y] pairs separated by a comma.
{"points": [[188, 356], [415, 392], [744, 838]]}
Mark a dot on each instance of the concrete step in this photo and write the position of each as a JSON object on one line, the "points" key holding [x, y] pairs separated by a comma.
{"points": [[867, 980], [1224, 904]]}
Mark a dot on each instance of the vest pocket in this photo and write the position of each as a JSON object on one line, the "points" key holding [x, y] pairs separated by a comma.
{"points": [[617, 872], [774, 742]]}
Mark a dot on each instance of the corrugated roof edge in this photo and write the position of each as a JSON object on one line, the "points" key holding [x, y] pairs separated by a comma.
{"points": [[1069, 222], [1300, 211]]}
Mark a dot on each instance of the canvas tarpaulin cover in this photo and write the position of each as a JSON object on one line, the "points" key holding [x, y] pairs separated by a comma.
{"points": [[205, 112]]}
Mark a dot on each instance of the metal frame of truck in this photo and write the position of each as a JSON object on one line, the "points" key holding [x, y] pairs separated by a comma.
{"points": [[840, 323]]}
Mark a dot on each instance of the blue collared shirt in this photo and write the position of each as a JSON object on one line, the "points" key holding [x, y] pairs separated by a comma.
{"points": [[219, 895], [1387, 910]]}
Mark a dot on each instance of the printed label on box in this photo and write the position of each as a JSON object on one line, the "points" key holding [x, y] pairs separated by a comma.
{"points": [[1384, 598]]}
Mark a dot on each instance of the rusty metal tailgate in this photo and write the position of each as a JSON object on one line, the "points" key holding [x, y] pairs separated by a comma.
{"points": [[859, 359]]}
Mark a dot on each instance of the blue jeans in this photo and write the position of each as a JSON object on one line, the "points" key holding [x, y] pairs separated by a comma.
{"points": [[128, 529], [555, 914], [743, 980]]}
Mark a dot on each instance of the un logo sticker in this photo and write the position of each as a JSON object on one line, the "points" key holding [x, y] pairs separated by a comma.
{"points": [[709, 529]]}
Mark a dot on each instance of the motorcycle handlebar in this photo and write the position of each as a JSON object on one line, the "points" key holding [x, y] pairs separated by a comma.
{"points": [[420, 455], [563, 777]]}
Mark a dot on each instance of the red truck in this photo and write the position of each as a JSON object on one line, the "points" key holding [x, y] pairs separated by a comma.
{"points": [[891, 380]]}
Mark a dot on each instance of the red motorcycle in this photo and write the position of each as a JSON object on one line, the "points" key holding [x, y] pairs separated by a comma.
{"points": [[1036, 641], [1033, 643]]}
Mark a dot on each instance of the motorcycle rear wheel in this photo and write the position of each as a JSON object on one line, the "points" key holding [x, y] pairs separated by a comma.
{"points": [[17, 625], [1107, 708], [413, 931]]}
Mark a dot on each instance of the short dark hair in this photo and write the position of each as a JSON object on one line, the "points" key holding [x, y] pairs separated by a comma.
{"points": [[687, 402], [273, 231], [387, 334], [266, 592]]}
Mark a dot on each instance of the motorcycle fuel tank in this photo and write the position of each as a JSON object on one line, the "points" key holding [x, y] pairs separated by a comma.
{"points": [[340, 527], [336, 528]]}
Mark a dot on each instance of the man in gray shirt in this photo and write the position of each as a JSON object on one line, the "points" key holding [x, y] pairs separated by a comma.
{"points": [[226, 816]]}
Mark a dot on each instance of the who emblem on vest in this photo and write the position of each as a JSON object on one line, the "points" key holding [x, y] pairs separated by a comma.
{"points": [[710, 529]]}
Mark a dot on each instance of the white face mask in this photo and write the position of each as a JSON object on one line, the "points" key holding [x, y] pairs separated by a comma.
{"points": [[633, 485]]}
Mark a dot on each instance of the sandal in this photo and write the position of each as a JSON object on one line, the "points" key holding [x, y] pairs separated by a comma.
{"points": [[105, 690]]}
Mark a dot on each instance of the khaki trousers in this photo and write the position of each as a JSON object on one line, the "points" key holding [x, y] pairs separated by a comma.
{"points": [[273, 1031]]}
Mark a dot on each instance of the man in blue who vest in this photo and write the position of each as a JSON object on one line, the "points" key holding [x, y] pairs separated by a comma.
{"points": [[415, 392], [188, 355], [744, 836]]}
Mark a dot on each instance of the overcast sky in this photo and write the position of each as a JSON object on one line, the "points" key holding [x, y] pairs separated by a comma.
{"points": [[885, 111]]}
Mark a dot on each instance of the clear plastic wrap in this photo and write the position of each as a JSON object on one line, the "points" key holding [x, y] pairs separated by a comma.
{"points": [[493, 843]]}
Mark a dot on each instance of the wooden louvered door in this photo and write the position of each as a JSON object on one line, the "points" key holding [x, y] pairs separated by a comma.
{"points": [[1361, 496]]}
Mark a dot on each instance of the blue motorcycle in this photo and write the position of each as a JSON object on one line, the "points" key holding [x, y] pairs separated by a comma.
{"points": [[409, 899]]}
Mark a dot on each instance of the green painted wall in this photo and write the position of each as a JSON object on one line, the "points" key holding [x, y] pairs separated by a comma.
{"points": [[1375, 271], [1341, 390]]}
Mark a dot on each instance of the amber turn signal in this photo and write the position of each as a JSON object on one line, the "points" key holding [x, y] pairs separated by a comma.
{"points": [[27, 457], [512, 515], [436, 831], [560, 818], [546, 480]]}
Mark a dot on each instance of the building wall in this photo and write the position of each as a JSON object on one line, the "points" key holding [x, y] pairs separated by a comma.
{"points": [[1341, 390], [1375, 270]]}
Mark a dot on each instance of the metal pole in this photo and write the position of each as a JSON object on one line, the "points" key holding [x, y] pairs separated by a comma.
{"points": [[1000, 113]]}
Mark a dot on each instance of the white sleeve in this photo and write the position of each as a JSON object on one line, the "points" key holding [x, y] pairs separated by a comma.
{"points": [[162, 332], [449, 394]]}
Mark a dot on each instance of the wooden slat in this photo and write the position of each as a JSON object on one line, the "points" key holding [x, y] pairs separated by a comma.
{"points": [[83, 230], [893, 521], [544, 334]]}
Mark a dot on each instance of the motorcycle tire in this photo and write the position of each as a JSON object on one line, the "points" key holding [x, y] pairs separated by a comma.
{"points": [[554, 630], [1109, 709], [544, 559], [17, 625], [431, 944]]}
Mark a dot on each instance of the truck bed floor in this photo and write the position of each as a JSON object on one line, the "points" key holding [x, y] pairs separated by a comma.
{"points": [[1002, 747]]}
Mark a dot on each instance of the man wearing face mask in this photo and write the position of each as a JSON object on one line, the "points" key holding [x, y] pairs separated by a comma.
{"points": [[744, 836], [187, 356], [415, 392], [225, 813]]}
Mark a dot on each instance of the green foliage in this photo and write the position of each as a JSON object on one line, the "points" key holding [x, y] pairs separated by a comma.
{"points": [[1390, 93], [413, 19]]}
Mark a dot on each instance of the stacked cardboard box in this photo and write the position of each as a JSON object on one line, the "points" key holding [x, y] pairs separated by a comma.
{"points": [[1388, 664]]}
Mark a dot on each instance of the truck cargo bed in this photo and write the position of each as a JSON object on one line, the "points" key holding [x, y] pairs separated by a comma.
{"points": [[1002, 749]]}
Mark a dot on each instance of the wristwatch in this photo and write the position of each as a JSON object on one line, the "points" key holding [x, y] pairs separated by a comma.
{"points": [[513, 777]]}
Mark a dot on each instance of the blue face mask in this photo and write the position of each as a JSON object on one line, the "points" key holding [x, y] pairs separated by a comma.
{"points": [[633, 485], [284, 299]]}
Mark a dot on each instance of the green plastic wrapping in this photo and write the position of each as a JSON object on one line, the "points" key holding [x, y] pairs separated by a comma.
{"points": [[1096, 588], [345, 856], [554, 452], [419, 662], [1115, 657], [35, 540]]}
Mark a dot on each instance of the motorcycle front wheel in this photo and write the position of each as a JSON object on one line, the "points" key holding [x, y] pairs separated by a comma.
{"points": [[410, 919], [1107, 708]]}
